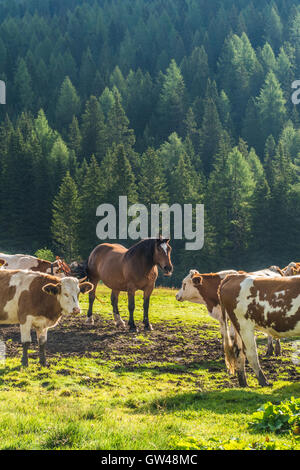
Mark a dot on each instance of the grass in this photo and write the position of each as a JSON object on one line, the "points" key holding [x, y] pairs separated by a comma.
{"points": [[145, 399]]}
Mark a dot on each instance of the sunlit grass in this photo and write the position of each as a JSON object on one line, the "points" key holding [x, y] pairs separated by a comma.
{"points": [[95, 403]]}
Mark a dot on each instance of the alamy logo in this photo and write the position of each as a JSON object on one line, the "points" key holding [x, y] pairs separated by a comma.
{"points": [[2, 92], [188, 222], [296, 353], [2, 352]]}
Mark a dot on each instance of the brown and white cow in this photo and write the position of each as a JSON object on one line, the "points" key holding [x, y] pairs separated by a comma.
{"points": [[271, 305], [203, 289], [293, 269], [21, 261], [38, 300]]}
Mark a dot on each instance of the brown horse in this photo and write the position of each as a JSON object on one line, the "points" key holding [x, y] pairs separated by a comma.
{"points": [[128, 270]]}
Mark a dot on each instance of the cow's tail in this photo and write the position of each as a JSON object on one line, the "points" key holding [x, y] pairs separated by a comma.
{"points": [[230, 358], [81, 271]]}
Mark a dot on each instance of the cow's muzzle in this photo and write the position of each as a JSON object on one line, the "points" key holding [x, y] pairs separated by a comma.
{"points": [[76, 311]]}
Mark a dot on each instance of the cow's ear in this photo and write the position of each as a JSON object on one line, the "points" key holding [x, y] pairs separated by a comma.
{"points": [[2, 262], [197, 280], [52, 289], [85, 287], [193, 272]]}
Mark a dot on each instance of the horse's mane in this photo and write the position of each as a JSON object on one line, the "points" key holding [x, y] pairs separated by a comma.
{"points": [[143, 247]]}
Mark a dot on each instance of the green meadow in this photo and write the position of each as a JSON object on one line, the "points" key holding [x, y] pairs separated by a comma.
{"points": [[111, 389]]}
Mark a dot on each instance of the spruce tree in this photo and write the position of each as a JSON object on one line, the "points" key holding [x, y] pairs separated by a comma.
{"points": [[271, 107], [65, 219], [92, 191], [93, 130], [68, 104]]}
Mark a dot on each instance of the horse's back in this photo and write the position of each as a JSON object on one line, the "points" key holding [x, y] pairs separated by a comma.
{"points": [[105, 263]]}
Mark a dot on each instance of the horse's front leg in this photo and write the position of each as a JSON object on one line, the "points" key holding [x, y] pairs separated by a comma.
{"points": [[147, 294], [131, 305]]}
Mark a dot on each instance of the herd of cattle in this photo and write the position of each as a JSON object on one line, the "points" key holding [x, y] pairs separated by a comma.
{"points": [[266, 300], [35, 294]]}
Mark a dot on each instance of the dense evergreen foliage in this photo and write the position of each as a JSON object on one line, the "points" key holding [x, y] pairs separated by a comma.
{"points": [[185, 101]]}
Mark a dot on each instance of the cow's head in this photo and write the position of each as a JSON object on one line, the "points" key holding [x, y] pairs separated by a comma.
{"points": [[189, 289], [293, 269], [67, 291], [162, 255], [276, 269], [59, 268]]}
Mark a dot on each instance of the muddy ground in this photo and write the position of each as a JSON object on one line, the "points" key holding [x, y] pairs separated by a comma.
{"points": [[186, 345]]}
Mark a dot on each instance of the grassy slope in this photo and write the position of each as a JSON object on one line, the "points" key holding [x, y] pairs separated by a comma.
{"points": [[92, 403]]}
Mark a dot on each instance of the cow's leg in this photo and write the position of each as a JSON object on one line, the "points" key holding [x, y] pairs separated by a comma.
{"points": [[131, 306], [240, 360], [26, 339], [42, 339], [270, 349], [277, 347], [114, 302], [147, 294], [92, 296], [251, 351]]}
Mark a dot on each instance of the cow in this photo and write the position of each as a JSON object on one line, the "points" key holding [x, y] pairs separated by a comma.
{"points": [[203, 289], [38, 300], [293, 269], [20, 261], [271, 305]]}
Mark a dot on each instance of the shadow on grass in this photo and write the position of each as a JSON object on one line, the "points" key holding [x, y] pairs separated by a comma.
{"points": [[234, 401], [188, 367]]}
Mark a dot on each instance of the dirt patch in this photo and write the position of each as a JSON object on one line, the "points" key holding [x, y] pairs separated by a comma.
{"points": [[173, 346]]}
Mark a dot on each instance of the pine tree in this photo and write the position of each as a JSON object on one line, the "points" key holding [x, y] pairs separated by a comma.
{"points": [[230, 206], [152, 185], [118, 131], [184, 184], [92, 190], [68, 104], [210, 134], [172, 101], [74, 137], [271, 107], [124, 184], [273, 26], [93, 130], [65, 219], [22, 81]]}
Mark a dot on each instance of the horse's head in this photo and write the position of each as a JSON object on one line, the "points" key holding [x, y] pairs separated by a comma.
{"points": [[162, 255]]}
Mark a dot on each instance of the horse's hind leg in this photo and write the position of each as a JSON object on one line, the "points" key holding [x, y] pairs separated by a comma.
{"points": [[114, 302]]}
